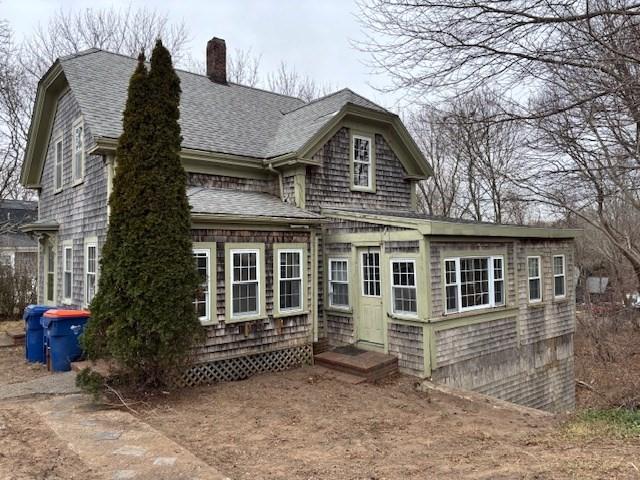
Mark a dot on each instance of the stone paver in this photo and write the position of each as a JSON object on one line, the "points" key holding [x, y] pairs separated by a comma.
{"points": [[118, 444], [55, 384]]}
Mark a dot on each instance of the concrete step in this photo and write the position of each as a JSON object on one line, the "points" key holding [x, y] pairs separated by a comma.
{"points": [[372, 366]]}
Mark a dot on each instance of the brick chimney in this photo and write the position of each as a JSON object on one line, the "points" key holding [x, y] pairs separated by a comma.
{"points": [[217, 60]]}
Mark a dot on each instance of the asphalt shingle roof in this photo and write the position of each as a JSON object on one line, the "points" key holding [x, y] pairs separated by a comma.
{"points": [[233, 202], [231, 119]]}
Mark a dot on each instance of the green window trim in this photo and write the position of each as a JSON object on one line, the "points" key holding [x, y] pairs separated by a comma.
{"points": [[230, 249], [209, 249], [300, 248], [370, 137]]}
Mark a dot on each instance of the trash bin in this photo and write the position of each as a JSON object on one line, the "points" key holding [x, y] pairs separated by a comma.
{"points": [[62, 329], [34, 342]]}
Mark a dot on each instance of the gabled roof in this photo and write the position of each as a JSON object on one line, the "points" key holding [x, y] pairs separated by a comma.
{"points": [[253, 125]]}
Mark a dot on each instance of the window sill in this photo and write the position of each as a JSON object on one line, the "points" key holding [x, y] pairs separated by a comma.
{"points": [[292, 313], [77, 182], [405, 317], [57, 191], [362, 189], [504, 309], [338, 310], [248, 318], [560, 300], [539, 304], [208, 323]]}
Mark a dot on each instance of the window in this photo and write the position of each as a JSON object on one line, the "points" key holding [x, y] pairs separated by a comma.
{"points": [[535, 280], [403, 287], [245, 284], [498, 281], [91, 270], [50, 271], [290, 271], [371, 274], [362, 163], [473, 282], [339, 282], [78, 152], [67, 273], [202, 301], [58, 165], [559, 281], [7, 259]]}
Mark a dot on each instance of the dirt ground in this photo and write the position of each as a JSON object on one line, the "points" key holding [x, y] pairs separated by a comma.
{"points": [[300, 425], [31, 451], [13, 366]]}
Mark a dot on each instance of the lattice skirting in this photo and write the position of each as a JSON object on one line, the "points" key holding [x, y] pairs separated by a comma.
{"points": [[240, 368]]}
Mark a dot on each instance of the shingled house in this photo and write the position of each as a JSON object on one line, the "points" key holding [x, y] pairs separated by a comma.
{"points": [[306, 230]]}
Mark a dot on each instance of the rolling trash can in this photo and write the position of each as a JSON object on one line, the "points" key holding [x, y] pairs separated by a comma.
{"points": [[62, 329], [34, 333]]}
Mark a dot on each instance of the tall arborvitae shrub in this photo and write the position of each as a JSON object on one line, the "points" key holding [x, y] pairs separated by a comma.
{"points": [[143, 315]]}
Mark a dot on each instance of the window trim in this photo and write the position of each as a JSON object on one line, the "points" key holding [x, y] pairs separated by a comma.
{"points": [[415, 287], [50, 247], [76, 180], [329, 304], [370, 137], [279, 248], [66, 247], [89, 242], [563, 275], [230, 249], [211, 318], [539, 277], [59, 139], [492, 300]]}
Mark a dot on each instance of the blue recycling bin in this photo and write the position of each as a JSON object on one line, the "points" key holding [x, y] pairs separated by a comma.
{"points": [[62, 329], [34, 333]]}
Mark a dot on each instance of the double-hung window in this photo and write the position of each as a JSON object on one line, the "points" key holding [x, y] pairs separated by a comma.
{"points": [[202, 301], [90, 270], [559, 277], [67, 272], [78, 155], [245, 283], [535, 279], [58, 165], [472, 283], [50, 271], [403, 287], [362, 163], [290, 284], [339, 282]]}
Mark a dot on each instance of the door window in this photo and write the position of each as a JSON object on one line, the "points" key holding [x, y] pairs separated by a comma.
{"points": [[371, 274]]}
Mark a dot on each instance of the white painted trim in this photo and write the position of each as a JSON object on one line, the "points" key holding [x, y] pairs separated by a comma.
{"points": [[369, 186], [75, 178], [346, 307], [362, 254], [563, 275], [207, 252], [539, 278], [59, 139], [300, 252], [67, 246], [415, 286], [458, 284], [258, 311], [89, 242]]}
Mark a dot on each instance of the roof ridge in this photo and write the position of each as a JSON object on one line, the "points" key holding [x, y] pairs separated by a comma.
{"points": [[123, 55], [316, 100]]}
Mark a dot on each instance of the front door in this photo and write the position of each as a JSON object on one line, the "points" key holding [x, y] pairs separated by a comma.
{"points": [[370, 323]]}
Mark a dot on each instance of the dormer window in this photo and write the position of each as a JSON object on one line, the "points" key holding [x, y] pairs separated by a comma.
{"points": [[362, 163], [77, 162]]}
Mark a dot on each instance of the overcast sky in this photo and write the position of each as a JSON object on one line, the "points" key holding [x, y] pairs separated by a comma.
{"points": [[312, 35]]}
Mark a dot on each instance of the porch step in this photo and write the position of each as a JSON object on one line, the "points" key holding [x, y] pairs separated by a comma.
{"points": [[371, 366]]}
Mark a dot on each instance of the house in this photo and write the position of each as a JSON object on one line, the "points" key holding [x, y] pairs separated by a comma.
{"points": [[17, 249], [306, 228]]}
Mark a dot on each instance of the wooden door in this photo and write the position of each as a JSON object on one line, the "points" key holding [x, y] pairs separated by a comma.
{"points": [[370, 315]]}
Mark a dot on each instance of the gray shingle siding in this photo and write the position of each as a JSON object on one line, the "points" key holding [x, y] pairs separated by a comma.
{"points": [[329, 185], [80, 210]]}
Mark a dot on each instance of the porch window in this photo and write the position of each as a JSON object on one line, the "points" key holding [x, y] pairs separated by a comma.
{"points": [[559, 278], [57, 175], [535, 279], [339, 283], [50, 271], [472, 283], [67, 273], [403, 286], [362, 164], [91, 271], [245, 283], [77, 165], [202, 301], [290, 273], [371, 274]]}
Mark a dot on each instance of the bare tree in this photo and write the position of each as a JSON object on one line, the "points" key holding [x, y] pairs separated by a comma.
{"points": [[244, 68], [125, 31], [287, 81]]}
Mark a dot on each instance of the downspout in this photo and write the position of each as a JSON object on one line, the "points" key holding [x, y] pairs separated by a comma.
{"points": [[280, 181]]}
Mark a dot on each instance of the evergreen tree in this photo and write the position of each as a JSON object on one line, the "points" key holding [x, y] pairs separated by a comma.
{"points": [[142, 314]]}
